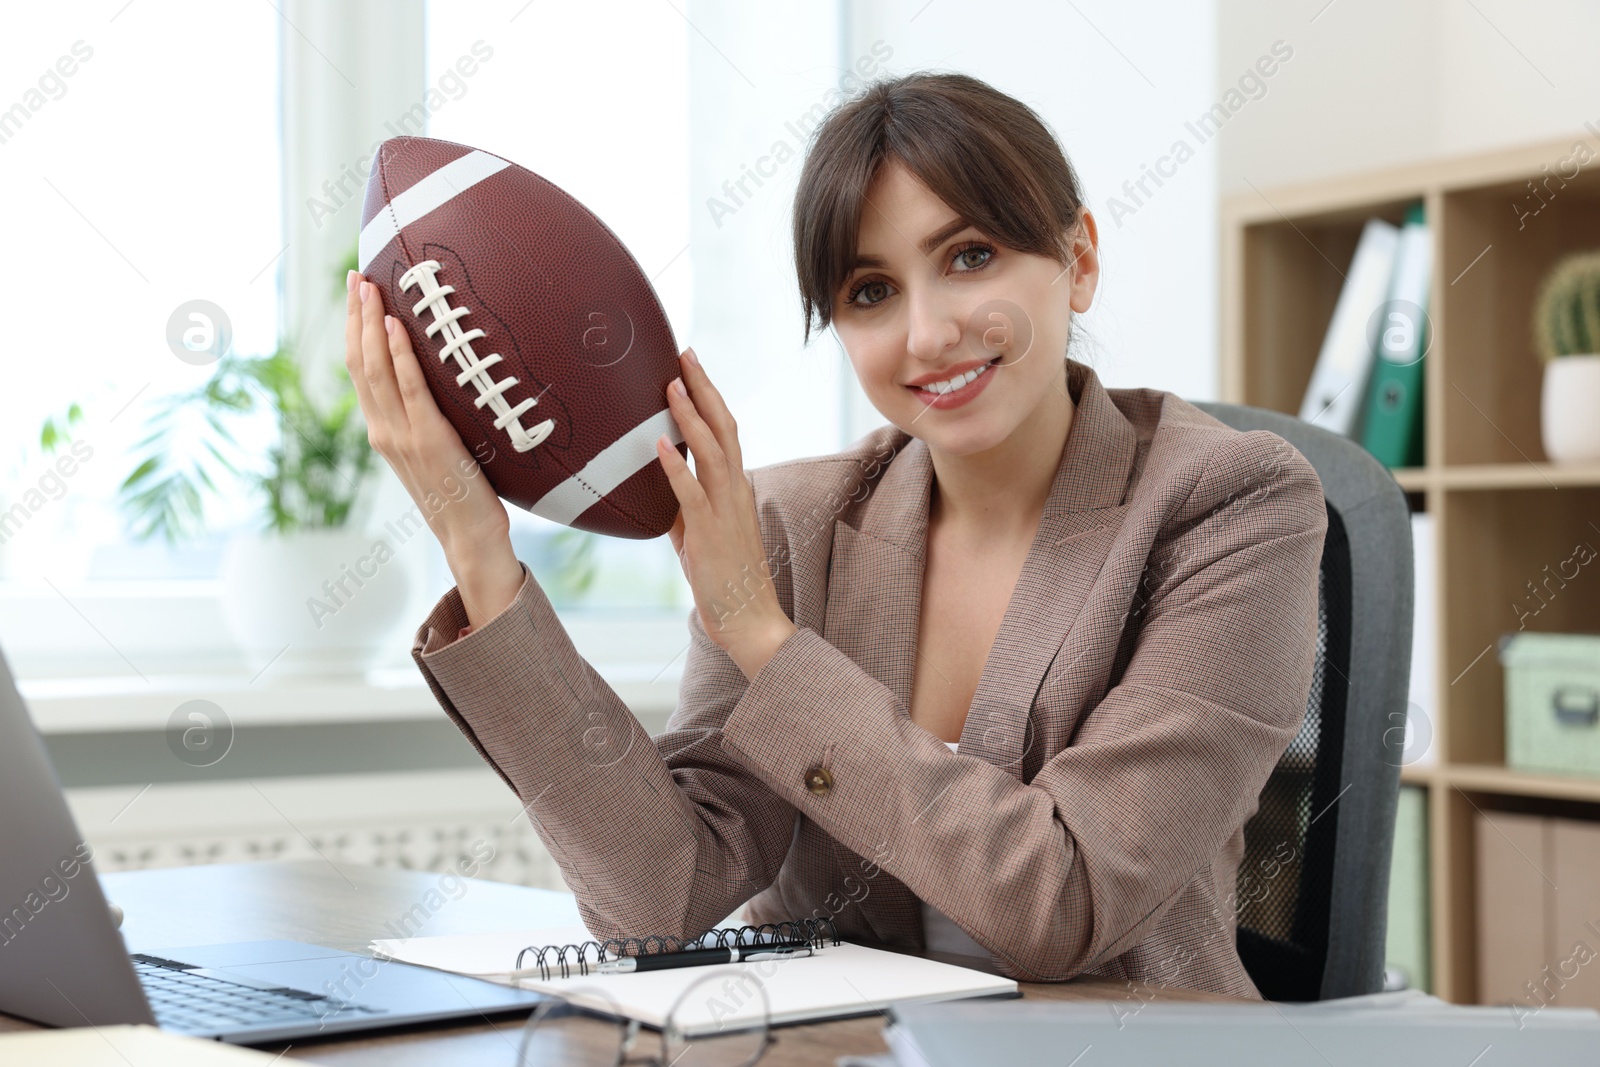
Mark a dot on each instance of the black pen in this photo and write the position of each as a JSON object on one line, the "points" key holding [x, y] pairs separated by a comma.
{"points": [[698, 957]]}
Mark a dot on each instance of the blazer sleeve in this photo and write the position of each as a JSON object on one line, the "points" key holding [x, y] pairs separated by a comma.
{"points": [[1076, 866], [665, 836]]}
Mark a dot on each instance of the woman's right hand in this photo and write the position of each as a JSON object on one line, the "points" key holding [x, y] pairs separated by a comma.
{"points": [[406, 428]]}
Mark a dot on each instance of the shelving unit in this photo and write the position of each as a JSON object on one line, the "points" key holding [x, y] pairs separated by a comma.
{"points": [[1501, 511]]}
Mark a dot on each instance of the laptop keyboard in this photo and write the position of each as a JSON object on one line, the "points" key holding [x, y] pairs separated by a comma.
{"points": [[183, 999]]}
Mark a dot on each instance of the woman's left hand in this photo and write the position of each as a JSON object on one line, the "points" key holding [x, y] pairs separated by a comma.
{"points": [[717, 535]]}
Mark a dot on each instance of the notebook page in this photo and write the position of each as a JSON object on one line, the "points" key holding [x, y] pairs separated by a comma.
{"points": [[481, 955], [842, 979]]}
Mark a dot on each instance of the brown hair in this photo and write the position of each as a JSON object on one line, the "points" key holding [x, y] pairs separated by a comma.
{"points": [[986, 154]]}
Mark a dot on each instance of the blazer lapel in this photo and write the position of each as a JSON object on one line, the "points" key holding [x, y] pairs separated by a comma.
{"points": [[875, 589], [1081, 521], [875, 574]]}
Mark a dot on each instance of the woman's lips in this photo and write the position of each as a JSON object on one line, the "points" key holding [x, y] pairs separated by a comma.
{"points": [[957, 397]]}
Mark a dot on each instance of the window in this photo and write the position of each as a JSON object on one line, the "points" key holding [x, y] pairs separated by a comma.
{"points": [[145, 179], [141, 172], [145, 169], [595, 98]]}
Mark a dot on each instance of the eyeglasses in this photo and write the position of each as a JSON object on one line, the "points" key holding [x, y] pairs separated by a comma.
{"points": [[723, 1019]]}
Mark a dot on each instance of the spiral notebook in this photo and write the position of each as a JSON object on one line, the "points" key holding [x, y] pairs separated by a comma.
{"points": [[838, 980]]}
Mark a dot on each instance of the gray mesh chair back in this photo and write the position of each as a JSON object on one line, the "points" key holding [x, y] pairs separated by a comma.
{"points": [[1313, 881]]}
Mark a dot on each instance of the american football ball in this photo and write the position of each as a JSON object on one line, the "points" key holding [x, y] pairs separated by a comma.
{"points": [[543, 341]]}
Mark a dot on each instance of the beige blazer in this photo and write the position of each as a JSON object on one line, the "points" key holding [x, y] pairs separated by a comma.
{"points": [[1154, 661]]}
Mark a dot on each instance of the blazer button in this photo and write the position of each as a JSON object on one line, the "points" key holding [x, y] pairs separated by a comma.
{"points": [[819, 780]]}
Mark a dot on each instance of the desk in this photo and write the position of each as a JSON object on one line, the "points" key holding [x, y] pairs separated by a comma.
{"points": [[348, 906]]}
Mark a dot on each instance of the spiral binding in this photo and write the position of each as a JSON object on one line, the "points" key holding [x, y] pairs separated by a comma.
{"points": [[814, 931]]}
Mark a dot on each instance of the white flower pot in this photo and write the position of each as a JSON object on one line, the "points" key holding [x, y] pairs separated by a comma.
{"points": [[1570, 416], [314, 602]]}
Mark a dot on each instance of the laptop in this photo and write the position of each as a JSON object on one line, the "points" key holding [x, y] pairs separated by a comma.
{"points": [[64, 963]]}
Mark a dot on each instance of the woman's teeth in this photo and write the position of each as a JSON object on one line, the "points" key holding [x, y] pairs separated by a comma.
{"points": [[951, 384]]}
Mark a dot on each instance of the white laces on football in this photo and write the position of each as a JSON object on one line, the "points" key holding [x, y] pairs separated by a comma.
{"points": [[458, 345]]}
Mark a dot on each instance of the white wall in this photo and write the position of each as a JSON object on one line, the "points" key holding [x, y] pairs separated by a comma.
{"points": [[755, 72], [1375, 83], [1116, 82], [351, 73]]}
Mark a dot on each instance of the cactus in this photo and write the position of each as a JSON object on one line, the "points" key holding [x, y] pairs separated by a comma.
{"points": [[1566, 318]]}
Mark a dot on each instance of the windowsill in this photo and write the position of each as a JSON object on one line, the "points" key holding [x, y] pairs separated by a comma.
{"points": [[128, 702], [114, 656]]}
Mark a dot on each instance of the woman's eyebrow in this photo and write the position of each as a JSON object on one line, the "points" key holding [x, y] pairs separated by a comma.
{"points": [[930, 243]]}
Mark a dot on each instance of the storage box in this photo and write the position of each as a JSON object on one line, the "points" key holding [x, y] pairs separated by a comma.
{"points": [[1575, 912], [1513, 912], [1538, 911], [1552, 702]]}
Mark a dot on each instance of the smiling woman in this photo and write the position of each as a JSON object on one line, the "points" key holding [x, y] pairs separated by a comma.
{"points": [[969, 252], [1016, 696]]}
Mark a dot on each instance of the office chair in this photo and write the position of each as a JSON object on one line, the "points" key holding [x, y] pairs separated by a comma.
{"points": [[1314, 878]]}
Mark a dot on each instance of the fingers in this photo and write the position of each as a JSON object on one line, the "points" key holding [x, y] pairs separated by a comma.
{"points": [[675, 535], [685, 486], [378, 363], [408, 374], [710, 463], [713, 410], [352, 345]]}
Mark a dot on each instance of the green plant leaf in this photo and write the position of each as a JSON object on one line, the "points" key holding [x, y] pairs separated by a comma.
{"points": [[310, 477], [141, 472]]}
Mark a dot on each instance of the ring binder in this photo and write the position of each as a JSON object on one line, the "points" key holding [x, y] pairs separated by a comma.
{"points": [[566, 957]]}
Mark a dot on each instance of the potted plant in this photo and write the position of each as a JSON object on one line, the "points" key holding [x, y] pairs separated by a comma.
{"points": [[1566, 329], [309, 593]]}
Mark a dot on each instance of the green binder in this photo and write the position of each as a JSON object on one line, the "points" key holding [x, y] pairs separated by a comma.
{"points": [[1407, 932], [1393, 428]]}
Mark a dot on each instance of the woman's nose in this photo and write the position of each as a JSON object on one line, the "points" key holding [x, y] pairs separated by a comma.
{"points": [[934, 322]]}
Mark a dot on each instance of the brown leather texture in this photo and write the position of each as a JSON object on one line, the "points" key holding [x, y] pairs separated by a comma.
{"points": [[566, 306], [1153, 662]]}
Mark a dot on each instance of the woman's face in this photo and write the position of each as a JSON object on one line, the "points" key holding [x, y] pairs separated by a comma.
{"points": [[911, 314]]}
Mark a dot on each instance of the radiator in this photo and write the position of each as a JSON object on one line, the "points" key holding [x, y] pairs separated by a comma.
{"points": [[417, 820]]}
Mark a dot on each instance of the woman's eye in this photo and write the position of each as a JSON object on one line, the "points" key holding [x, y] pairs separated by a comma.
{"points": [[959, 256], [985, 250], [864, 287]]}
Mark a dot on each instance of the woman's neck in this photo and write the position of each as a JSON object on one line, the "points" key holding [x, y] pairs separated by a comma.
{"points": [[1002, 491]]}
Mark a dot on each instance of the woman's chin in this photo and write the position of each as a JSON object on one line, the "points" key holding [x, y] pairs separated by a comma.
{"points": [[966, 440]]}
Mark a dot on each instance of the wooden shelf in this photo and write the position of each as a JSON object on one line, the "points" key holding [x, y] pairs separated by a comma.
{"points": [[1530, 475], [1504, 515], [1485, 778], [1413, 479], [1425, 776], [1521, 476], [1502, 781]]}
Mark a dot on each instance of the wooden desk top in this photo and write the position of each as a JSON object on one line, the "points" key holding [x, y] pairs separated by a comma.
{"points": [[347, 906]]}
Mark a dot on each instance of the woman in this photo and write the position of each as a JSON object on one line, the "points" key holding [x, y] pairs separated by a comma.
{"points": [[1002, 679]]}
